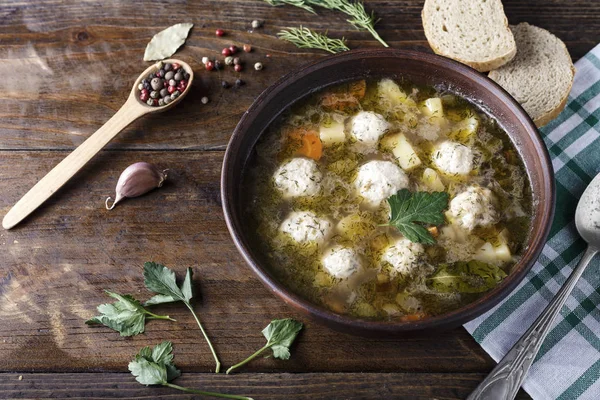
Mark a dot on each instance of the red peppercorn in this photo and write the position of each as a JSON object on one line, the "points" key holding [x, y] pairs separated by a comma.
{"points": [[219, 32], [165, 83], [238, 67], [144, 96], [144, 91], [171, 89], [155, 102], [226, 52], [209, 66], [247, 48], [176, 66], [181, 86], [233, 49]]}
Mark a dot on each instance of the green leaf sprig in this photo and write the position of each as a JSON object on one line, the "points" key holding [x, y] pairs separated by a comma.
{"points": [[308, 39], [296, 3], [359, 17], [161, 280], [126, 316], [465, 277], [408, 208], [155, 367], [280, 335]]}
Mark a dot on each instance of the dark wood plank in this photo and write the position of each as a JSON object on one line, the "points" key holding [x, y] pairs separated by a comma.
{"points": [[67, 67], [259, 386], [55, 266], [76, 61]]}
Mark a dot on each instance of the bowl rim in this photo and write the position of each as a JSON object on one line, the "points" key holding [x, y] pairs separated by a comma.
{"points": [[443, 321]]}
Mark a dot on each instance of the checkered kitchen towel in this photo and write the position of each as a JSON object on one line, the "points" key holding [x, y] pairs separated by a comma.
{"points": [[568, 364]]}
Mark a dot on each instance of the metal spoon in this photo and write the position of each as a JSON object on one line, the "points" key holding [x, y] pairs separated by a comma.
{"points": [[133, 109], [504, 381]]}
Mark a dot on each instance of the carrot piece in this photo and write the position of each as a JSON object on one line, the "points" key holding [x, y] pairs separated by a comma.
{"points": [[310, 143], [435, 232], [412, 317]]}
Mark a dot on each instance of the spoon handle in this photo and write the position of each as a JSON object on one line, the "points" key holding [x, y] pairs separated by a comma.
{"points": [[68, 167], [504, 381]]}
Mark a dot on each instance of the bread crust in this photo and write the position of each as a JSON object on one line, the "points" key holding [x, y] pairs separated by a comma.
{"points": [[544, 119], [548, 117], [481, 66]]}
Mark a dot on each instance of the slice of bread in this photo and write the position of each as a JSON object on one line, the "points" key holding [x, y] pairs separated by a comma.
{"points": [[474, 32], [540, 77]]}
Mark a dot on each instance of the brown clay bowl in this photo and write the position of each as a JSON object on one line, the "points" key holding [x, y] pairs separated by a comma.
{"points": [[420, 68]]}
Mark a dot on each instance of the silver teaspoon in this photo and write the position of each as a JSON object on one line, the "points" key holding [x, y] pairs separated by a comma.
{"points": [[504, 381]]}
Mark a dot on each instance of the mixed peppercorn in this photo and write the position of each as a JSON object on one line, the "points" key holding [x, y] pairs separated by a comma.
{"points": [[229, 60], [163, 86], [170, 80]]}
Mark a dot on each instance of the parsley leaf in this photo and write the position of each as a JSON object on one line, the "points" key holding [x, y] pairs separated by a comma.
{"points": [[465, 277], [280, 335], [126, 316], [162, 280], [408, 208], [155, 367]]}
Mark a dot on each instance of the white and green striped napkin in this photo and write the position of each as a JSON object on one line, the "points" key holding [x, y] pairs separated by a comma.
{"points": [[568, 364]]}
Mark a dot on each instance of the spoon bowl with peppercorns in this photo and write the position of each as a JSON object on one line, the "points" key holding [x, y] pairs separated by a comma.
{"points": [[159, 88], [162, 85]]}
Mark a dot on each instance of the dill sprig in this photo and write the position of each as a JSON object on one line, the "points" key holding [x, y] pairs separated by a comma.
{"points": [[359, 17], [356, 10], [296, 3], [305, 38]]}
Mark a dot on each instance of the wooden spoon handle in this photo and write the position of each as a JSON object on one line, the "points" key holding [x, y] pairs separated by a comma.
{"points": [[68, 167]]}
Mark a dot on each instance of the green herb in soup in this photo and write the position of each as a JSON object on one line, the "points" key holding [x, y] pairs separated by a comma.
{"points": [[386, 200]]}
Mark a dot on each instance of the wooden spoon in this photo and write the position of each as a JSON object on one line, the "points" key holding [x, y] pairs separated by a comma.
{"points": [[133, 109]]}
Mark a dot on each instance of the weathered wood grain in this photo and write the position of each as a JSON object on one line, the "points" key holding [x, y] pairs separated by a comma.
{"points": [[56, 264], [67, 66], [78, 59], [259, 386]]}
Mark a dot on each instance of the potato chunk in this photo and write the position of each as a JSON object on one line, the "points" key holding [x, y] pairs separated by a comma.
{"points": [[402, 149], [464, 131], [434, 110], [332, 133], [432, 180], [390, 92]]}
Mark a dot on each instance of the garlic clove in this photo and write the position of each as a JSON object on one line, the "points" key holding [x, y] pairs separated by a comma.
{"points": [[136, 180]]}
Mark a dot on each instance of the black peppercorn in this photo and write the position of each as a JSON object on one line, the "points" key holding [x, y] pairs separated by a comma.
{"points": [[239, 82], [225, 84]]}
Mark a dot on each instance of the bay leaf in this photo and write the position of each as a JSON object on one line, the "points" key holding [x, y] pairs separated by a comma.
{"points": [[165, 43], [465, 277]]}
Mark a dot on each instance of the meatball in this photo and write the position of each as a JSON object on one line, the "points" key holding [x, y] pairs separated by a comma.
{"points": [[403, 256], [473, 207], [298, 177], [305, 227], [367, 127], [341, 262], [378, 180], [453, 158]]}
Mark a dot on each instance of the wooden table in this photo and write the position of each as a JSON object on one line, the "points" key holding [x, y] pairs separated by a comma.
{"points": [[66, 67]]}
